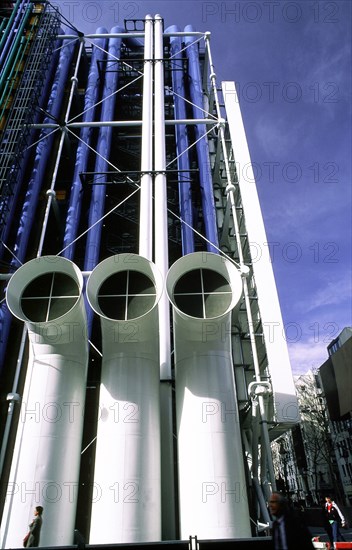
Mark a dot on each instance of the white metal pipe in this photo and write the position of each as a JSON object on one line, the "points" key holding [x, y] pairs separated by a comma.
{"points": [[124, 291], [13, 400], [130, 35], [160, 198], [162, 263], [46, 293], [146, 193], [204, 288], [51, 193], [103, 35], [122, 123]]}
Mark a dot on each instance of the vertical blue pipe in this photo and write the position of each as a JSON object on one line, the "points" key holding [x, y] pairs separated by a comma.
{"points": [[97, 203], [82, 154], [184, 178], [35, 184], [43, 151], [206, 184]]}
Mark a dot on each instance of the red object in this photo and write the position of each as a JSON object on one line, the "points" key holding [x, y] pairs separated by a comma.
{"points": [[343, 545]]}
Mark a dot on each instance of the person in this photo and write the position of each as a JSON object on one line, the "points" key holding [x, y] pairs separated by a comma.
{"points": [[289, 531], [35, 528], [333, 516]]}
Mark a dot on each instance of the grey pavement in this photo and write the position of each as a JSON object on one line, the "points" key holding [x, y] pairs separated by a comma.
{"points": [[320, 531]]}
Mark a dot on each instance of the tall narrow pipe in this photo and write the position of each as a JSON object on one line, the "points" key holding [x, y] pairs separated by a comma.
{"points": [[46, 293], [182, 143], [124, 291], [103, 149], [145, 216], [162, 263], [90, 100], [43, 152], [206, 185], [50, 193], [92, 96], [160, 196], [204, 289]]}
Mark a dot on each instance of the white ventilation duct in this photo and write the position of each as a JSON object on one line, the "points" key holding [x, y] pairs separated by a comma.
{"points": [[124, 291], [204, 288], [46, 293]]}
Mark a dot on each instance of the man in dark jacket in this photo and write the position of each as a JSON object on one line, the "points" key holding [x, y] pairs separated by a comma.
{"points": [[35, 527], [289, 531]]}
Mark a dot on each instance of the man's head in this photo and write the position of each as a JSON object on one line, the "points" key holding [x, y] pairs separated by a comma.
{"points": [[277, 504], [38, 510]]}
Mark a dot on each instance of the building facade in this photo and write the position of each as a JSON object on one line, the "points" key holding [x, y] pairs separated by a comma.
{"points": [[141, 383], [314, 459]]}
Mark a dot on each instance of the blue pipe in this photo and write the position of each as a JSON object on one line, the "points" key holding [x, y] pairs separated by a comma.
{"points": [[91, 97], [43, 151], [206, 184], [103, 149], [184, 177], [97, 203], [82, 154]]}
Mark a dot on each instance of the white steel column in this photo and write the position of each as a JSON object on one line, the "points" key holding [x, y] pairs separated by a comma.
{"points": [[145, 216], [161, 228], [162, 262]]}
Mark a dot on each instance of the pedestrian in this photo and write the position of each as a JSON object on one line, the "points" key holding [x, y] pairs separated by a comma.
{"points": [[289, 530], [333, 517], [33, 537]]}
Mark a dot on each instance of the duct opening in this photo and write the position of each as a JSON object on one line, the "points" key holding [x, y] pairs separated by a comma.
{"points": [[49, 296], [203, 285], [124, 287], [126, 295], [202, 293]]}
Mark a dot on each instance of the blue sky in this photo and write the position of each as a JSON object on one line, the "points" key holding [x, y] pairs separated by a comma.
{"points": [[292, 63]]}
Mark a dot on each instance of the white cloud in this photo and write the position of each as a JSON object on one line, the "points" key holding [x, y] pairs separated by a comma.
{"points": [[330, 293], [307, 355]]}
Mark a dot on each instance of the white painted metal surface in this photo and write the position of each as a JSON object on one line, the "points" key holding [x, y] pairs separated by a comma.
{"points": [[286, 407], [46, 459], [161, 257], [146, 206], [127, 503], [212, 485]]}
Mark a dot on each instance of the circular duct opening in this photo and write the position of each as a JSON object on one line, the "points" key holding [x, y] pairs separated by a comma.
{"points": [[126, 295], [49, 296], [202, 293]]}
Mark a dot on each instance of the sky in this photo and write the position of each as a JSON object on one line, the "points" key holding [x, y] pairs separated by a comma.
{"points": [[291, 61]]}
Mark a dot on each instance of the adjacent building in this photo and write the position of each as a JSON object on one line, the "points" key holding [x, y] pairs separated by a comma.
{"points": [[315, 458]]}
